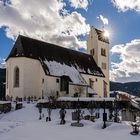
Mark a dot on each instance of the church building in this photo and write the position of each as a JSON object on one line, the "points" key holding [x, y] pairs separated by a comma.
{"points": [[40, 69]]}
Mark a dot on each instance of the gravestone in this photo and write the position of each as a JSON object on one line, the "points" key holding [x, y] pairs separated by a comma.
{"points": [[128, 115], [135, 127], [76, 115], [62, 113]]}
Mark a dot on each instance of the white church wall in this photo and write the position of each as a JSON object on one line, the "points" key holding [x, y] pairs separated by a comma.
{"points": [[94, 43], [97, 83], [34, 82], [10, 90], [52, 86], [29, 77], [104, 59], [76, 89], [43, 83]]}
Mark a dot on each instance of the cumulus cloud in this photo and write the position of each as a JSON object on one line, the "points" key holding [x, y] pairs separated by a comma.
{"points": [[45, 20], [2, 62], [103, 19], [128, 69], [79, 3], [124, 5]]}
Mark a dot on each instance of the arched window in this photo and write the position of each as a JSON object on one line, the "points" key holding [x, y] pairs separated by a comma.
{"points": [[16, 77]]}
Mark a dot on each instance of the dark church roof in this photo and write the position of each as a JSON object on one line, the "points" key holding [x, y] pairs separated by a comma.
{"points": [[101, 36], [46, 52]]}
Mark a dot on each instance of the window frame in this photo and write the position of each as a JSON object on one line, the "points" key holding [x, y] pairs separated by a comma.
{"points": [[92, 52], [103, 52], [57, 80], [16, 77], [104, 66]]}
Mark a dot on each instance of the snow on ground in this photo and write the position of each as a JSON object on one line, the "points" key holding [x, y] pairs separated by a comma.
{"points": [[85, 99], [23, 124], [75, 99]]}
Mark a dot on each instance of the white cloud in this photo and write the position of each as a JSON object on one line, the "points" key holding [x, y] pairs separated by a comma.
{"points": [[2, 62], [79, 3], [46, 20], [128, 69], [124, 5], [103, 19]]}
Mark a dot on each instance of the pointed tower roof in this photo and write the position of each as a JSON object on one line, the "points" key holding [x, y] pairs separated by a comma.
{"points": [[100, 35]]}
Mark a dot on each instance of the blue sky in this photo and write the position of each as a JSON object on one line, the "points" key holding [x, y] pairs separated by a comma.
{"points": [[67, 22]]}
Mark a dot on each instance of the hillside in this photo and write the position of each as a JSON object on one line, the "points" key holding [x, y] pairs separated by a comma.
{"points": [[131, 87]]}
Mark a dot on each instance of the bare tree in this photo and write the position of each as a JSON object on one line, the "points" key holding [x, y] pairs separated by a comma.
{"points": [[52, 98], [79, 90]]}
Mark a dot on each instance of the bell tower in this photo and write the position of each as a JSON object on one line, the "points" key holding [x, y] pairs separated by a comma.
{"points": [[98, 47]]}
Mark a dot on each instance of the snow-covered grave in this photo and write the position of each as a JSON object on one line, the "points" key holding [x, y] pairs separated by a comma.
{"points": [[24, 124], [75, 99], [5, 106], [85, 99], [4, 102]]}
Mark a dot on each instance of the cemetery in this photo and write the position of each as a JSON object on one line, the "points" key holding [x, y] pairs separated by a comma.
{"points": [[109, 109], [74, 119], [5, 106], [94, 116]]}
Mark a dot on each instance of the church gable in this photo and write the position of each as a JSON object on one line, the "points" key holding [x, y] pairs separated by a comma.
{"points": [[17, 50], [56, 60]]}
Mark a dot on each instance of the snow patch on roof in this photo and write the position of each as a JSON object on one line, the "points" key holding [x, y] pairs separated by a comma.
{"points": [[43, 101], [126, 94], [129, 97], [85, 99], [4, 102], [58, 69]]}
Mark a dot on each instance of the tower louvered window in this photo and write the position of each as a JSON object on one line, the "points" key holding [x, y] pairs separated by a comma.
{"points": [[92, 52], [103, 52]]}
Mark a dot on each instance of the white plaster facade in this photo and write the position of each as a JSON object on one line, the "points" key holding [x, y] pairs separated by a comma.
{"points": [[34, 82], [97, 84], [81, 89], [29, 77], [96, 45]]}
